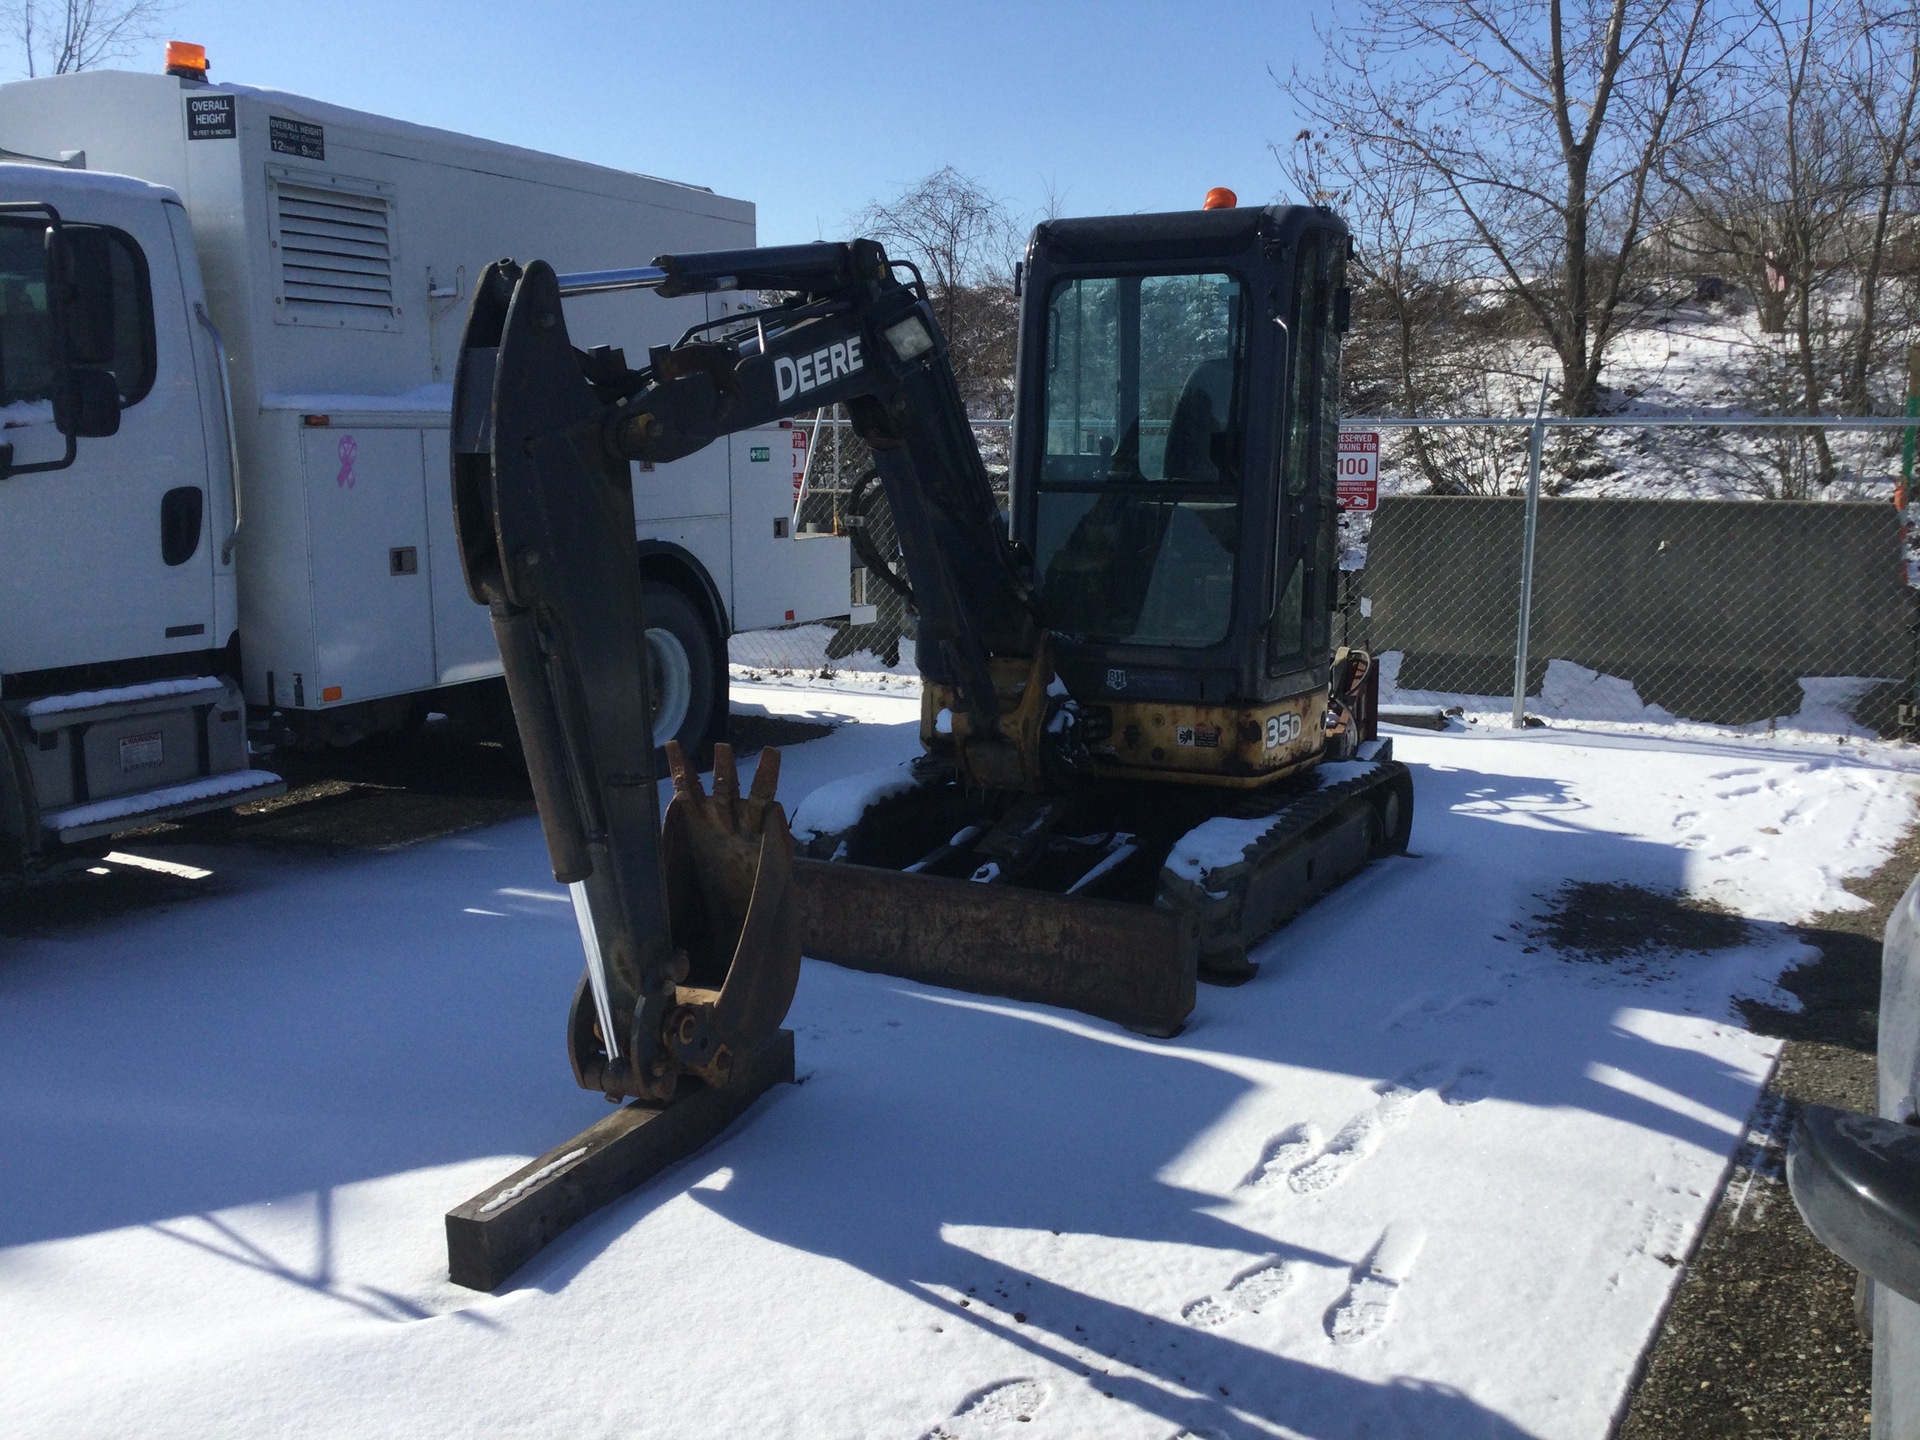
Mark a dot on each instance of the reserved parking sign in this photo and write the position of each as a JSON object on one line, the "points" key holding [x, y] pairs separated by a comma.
{"points": [[1358, 475]]}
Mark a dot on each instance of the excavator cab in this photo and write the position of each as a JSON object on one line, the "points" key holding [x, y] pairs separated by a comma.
{"points": [[1174, 481]]}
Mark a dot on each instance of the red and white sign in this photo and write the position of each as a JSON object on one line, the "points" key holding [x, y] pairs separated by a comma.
{"points": [[799, 458], [1357, 481]]}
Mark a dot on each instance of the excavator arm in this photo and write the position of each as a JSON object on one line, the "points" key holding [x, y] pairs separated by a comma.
{"points": [[851, 334]]}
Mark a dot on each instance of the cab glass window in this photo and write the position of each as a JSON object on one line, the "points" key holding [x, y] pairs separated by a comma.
{"points": [[26, 342], [1139, 484], [1305, 559]]}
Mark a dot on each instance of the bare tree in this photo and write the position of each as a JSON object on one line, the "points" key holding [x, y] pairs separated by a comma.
{"points": [[964, 241], [1886, 91], [58, 37], [1799, 187], [1423, 342], [1542, 128]]}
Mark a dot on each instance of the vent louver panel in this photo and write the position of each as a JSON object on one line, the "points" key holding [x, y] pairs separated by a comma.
{"points": [[336, 253]]}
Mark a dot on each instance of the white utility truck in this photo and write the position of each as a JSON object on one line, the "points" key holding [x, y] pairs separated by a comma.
{"points": [[273, 289]]}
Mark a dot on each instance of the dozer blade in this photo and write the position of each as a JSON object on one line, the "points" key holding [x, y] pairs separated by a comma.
{"points": [[1187, 892], [1127, 963]]}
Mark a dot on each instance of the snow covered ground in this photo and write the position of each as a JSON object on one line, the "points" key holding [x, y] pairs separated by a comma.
{"points": [[797, 656], [1595, 700], [1422, 1177]]}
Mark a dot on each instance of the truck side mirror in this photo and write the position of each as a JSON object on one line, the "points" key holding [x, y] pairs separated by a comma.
{"points": [[1342, 310], [87, 404], [86, 397]]}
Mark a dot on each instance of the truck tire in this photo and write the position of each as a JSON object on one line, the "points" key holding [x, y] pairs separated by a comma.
{"points": [[16, 818], [683, 670]]}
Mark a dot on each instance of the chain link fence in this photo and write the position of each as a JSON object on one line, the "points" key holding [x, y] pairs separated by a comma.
{"points": [[1735, 612]]}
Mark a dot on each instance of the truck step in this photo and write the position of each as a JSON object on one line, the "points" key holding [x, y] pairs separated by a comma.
{"points": [[85, 706], [169, 802]]}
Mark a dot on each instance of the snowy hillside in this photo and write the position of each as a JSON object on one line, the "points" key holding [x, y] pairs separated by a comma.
{"points": [[1687, 359]]}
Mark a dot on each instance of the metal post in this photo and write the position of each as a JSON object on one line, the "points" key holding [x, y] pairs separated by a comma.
{"points": [[1534, 446], [1903, 492], [1909, 713]]}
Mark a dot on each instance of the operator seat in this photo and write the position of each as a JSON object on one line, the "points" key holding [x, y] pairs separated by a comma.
{"points": [[1198, 434]]}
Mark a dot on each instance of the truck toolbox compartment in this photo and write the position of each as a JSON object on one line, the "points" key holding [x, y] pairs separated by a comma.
{"points": [[104, 760]]}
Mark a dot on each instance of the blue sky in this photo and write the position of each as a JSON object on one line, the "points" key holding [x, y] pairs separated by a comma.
{"points": [[811, 111]]}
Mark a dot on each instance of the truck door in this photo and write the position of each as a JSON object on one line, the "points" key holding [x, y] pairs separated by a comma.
{"points": [[112, 558], [785, 568], [367, 525]]}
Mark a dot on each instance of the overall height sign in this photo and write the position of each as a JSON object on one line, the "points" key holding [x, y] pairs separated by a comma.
{"points": [[1358, 473]]}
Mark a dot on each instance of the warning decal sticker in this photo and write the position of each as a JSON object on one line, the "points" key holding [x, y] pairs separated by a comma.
{"points": [[210, 117], [297, 137]]}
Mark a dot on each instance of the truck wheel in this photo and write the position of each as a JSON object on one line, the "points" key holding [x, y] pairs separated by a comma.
{"points": [[682, 670]]}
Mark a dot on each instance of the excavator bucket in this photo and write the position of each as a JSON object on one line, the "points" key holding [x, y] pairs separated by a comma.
{"points": [[731, 905]]}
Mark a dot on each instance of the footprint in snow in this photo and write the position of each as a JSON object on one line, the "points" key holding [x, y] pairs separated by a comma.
{"points": [[1423, 1009], [1247, 1294], [1368, 1305], [1417, 1011], [1361, 1135], [992, 1410], [1297, 1156], [1472, 1084], [1281, 1155]]}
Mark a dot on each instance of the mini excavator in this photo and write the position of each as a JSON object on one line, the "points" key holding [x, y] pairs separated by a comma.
{"points": [[1140, 749]]}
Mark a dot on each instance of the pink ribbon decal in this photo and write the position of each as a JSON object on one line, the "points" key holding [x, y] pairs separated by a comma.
{"points": [[349, 447]]}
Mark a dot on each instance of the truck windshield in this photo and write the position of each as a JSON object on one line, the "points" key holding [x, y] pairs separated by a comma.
{"points": [[1139, 487]]}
